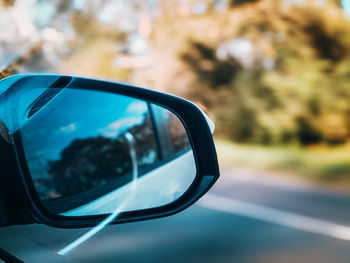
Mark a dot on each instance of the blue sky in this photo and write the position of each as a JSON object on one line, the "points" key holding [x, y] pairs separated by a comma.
{"points": [[77, 114]]}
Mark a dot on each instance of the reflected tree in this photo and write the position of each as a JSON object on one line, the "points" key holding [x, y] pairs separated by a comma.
{"points": [[93, 162], [88, 163]]}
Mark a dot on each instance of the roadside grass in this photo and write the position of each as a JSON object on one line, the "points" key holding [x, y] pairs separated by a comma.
{"points": [[325, 164]]}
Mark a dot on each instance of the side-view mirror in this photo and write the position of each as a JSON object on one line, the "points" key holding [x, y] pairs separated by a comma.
{"points": [[81, 149]]}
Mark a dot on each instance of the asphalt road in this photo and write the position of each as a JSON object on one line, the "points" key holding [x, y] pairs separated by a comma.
{"points": [[246, 217]]}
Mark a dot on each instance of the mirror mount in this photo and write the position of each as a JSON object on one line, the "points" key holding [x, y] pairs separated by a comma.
{"points": [[199, 135]]}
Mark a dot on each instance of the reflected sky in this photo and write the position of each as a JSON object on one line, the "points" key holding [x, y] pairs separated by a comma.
{"points": [[79, 160], [90, 114]]}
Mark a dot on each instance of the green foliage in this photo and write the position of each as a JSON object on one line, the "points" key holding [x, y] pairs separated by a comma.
{"points": [[321, 163]]}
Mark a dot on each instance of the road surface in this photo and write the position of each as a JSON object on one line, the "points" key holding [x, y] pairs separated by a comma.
{"points": [[246, 217]]}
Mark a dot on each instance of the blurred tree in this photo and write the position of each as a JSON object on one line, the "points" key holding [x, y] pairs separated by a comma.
{"points": [[70, 33], [233, 3], [258, 66], [8, 3], [15, 65], [271, 71]]}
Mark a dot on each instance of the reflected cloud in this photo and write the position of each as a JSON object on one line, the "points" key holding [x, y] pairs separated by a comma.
{"points": [[117, 127], [137, 108], [69, 128]]}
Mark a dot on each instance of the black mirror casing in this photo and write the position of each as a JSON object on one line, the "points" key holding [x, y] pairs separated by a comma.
{"points": [[191, 116]]}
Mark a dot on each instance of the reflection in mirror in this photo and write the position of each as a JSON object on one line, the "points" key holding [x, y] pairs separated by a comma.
{"points": [[80, 159]]}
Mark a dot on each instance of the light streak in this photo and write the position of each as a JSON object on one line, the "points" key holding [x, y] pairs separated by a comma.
{"points": [[64, 251]]}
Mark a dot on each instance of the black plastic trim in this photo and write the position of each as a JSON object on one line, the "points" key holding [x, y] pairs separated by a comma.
{"points": [[199, 135]]}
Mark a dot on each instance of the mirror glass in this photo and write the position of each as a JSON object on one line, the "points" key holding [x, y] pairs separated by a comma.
{"points": [[90, 152]]}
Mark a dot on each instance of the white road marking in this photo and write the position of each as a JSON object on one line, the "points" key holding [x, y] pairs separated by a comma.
{"points": [[275, 216]]}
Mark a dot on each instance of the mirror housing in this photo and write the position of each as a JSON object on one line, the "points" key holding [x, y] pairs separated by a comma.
{"points": [[21, 202]]}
